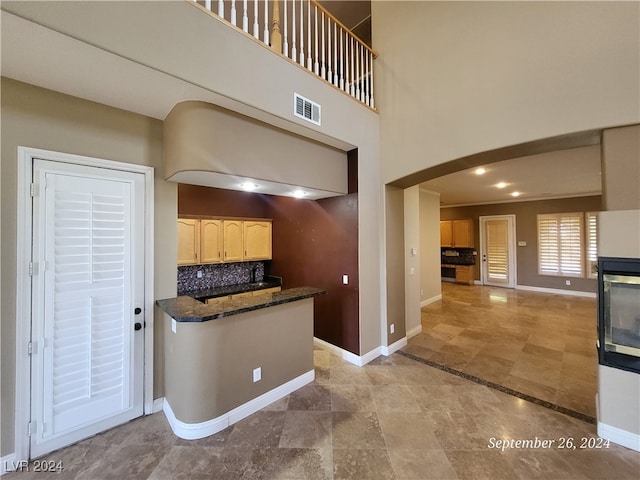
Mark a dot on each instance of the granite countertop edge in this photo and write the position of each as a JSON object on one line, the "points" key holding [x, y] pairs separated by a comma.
{"points": [[188, 309]]}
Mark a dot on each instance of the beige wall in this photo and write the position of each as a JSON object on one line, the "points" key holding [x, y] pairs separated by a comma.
{"points": [[430, 285], [621, 168], [412, 271], [39, 118], [527, 231], [395, 266], [458, 78]]}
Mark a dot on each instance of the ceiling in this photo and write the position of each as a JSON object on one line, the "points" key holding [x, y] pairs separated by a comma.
{"points": [[559, 174]]}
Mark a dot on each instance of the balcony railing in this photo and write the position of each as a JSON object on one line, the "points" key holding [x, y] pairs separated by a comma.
{"points": [[308, 34]]}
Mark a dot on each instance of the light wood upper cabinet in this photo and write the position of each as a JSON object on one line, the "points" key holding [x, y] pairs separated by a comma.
{"points": [[188, 241], [257, 240], [233, 244], [456, 233], [211, 244]]}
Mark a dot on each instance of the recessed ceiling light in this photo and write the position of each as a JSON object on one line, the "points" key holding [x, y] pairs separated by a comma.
{"points": [[248, 186], [299, 193], [515, 194], [480, 171], [501, 185]]}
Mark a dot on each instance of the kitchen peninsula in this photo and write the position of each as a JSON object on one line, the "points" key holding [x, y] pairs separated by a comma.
{"points": [[226, 360]]}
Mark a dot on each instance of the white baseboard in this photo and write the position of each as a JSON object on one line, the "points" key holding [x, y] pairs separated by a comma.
{"points": [[193, 431], [158, 404], [557, 291], [386, 351], [431, 300], [414, 331], [619, 436], [9, 464], [342, 353]]}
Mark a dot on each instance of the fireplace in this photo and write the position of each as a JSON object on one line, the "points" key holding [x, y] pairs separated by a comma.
{"points": [[619, 313]]}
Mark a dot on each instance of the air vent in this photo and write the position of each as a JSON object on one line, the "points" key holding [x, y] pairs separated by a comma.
{"points": [[305, 108]]}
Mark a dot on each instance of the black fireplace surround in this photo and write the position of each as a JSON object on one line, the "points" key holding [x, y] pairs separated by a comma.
{"points": [[619, 313]]}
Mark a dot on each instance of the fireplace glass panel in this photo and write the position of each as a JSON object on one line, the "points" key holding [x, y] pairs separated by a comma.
{"points": [[622, 314]]}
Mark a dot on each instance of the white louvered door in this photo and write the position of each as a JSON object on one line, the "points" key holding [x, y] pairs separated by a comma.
{"points": [[88, 251], [498, 252]]}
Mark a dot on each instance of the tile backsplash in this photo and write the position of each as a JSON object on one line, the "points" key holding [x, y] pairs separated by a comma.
{"points": [[217, 275]]}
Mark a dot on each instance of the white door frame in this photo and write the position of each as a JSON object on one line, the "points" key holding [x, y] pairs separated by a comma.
{"points": [[26, 156], [511, 232]]}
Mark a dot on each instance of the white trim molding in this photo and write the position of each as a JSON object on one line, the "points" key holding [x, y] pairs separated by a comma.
{"points": [[619, 436], [429, 301], [394, 347], [557, 291], [193, 431], [158, 405], [414, 331]]}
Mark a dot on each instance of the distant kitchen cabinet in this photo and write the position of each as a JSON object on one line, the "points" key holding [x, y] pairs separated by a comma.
{"points": [[465, 274], [211, 244], [233, 245], [188, 241], [257, 240], [456, 233]]}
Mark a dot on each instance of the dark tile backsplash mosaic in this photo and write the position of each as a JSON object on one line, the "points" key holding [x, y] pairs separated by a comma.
{"points": [[217, 275], [457, 256]]}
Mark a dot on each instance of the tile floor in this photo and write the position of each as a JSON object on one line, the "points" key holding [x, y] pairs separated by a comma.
{"points": [[538, 344], [394, 418]]}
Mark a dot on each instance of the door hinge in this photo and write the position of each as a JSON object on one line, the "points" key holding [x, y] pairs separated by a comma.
{"points": [[31, 428], [32, 348], [31, 269], [32, 189]]}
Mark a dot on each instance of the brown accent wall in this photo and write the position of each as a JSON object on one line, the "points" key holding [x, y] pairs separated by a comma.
{"points": [[527, 231], [315, 243], [196, 200]]}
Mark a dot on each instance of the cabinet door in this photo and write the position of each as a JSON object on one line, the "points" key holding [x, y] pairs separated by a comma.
{"points": [[233, 245], [210, 241], [446, 234], [188, 241], [464, 275], [257, 240], [462, 233]]}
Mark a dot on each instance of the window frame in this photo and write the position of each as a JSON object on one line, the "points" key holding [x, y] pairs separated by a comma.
{"points": [[568, 248]]}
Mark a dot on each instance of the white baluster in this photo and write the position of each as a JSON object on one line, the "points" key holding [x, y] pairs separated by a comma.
{"points": [[302, 32], [256, 27], [233, 13], [245, 18], [336, 81], [221, 8], [207, 4], [323, 72], [329, 73], [353, 77], [371, 102], [366, 77], [316, 67], [266, 22], [293, 31], [285, 46], [341, 85], [346, 62], [309, 60], [358, 89]]}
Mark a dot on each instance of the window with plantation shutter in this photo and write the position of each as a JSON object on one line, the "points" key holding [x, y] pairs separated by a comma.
{"points": [[560, 245], [592, 244]]}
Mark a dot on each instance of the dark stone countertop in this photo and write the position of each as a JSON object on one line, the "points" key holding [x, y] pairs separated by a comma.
{"points": [[188, 309], [203, 294]]}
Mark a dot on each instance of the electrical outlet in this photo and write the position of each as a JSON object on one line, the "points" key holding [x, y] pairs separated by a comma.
{"points": [[199, 273], [567, 282], [174, 325], [257, 374], [345, 279], [392, 327]]}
